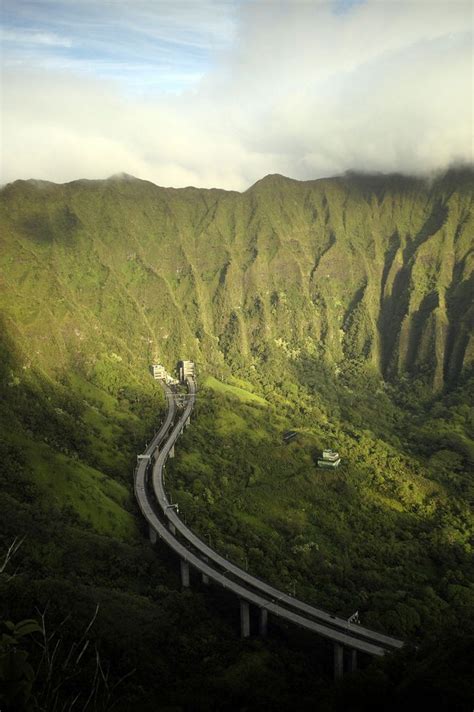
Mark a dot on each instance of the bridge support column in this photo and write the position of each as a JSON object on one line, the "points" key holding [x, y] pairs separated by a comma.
{"points": [[205, 577], [338, 661], [352, 660], [244, 619], [172, 528], [263, 622], [152, 534], [188, 422], [172, 452], [184, 573]]}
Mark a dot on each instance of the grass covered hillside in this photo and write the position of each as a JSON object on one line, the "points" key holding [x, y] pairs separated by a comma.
{"points": [[340, 309]]}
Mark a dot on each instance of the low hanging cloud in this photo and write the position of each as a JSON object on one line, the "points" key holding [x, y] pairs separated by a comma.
{"points": [[301, 90]]}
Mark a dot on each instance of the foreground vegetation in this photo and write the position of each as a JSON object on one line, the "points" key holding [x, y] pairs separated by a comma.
{"points": [[389, 533]]}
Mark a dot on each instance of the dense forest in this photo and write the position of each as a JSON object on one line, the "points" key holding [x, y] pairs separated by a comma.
{"points": [[340, 309]]}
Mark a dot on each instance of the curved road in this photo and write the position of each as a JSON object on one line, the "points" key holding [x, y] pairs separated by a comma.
{"points": [[210, 563], [241, 574]]}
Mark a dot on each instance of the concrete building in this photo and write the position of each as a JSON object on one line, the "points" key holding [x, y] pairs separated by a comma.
{"points": [[158, 371], [186, 370], [330, 458]]}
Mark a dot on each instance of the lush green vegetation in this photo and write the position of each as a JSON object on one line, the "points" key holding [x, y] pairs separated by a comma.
{"points": [[338, 309], [388, 533], [372, 270]]}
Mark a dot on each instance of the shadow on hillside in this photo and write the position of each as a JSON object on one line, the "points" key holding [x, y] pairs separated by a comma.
{"points": [[394, 308]]}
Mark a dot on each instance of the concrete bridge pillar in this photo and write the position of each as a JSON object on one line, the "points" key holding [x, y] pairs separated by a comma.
{"points": [[338, 661], [352, 660], [152, 534], [172, 452], [263, 622], [188, 422], [184, 573], [244, 619], [172, 528], [205, 577]]}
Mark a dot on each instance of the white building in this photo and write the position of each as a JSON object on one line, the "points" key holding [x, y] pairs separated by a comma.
{"points": [[158, 371], [330, 458]]}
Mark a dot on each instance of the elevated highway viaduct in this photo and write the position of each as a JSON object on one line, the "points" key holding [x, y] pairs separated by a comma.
{"points": [[164, 522]]}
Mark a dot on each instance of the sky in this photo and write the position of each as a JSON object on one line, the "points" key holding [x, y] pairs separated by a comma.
{"points": [[219, 93]]}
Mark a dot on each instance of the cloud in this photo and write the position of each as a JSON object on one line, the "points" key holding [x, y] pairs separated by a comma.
{"points": [[33, 37], [300, 88]]}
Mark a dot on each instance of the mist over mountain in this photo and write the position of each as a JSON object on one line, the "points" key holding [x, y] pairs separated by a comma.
{"points": [[368, 269]]}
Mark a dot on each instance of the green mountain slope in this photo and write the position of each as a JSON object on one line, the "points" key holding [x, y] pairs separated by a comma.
{"points": [[372, 269], [340, 308]]}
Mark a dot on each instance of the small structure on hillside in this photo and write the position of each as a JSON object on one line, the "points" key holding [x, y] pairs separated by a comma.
{"points": [[158, 371], [330, 458], [289, 435], [186, 370]]}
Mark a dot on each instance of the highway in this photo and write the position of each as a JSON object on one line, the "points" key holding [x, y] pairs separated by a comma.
{"points": [[170, 415], [203, 558]]}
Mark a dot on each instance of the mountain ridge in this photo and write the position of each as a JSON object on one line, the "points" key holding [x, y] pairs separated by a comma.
{"points": [[460, 170], [368, 269]]}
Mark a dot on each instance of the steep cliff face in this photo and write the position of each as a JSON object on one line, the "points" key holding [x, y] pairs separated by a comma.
{"points": [[376, 269]]}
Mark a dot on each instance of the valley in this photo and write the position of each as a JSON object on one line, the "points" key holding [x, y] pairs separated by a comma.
{"points": [[340, 309]]}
